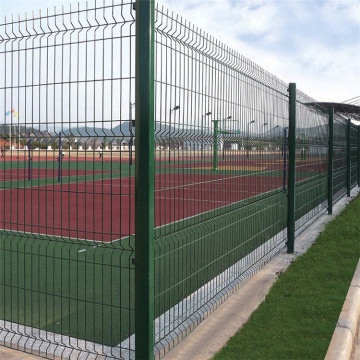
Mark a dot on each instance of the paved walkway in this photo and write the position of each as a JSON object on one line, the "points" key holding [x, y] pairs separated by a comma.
{"points": [[356, 348], [10, 354]]}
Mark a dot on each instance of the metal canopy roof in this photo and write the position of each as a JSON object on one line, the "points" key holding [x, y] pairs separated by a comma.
{"points": [[348, 110]]}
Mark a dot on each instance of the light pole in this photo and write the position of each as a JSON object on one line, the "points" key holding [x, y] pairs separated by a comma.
{"points": [[228, 118], [131, 126], [177, 107], [248, 138], [277, 138], [263, 142], [132, 122], [215, 146], [202, 129], [202, 133], [215, 141]]}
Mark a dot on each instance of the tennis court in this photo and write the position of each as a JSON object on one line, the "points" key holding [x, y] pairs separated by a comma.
{"points": [[70, 244], [94, 200]]}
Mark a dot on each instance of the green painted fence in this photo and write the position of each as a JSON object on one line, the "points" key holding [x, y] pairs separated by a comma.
{"points": [[147, 170]]}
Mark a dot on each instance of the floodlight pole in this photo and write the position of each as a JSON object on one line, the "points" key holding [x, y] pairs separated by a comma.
{"points": [[215, 142], [263, 141], [202, 133], [223, 149], [177, 107], [131, 126], [248, 138]]}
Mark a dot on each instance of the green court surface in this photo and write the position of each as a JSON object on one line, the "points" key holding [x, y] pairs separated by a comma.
{"points": [[16, 173], [86, 289]]}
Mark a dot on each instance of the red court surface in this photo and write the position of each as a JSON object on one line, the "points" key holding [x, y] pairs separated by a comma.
{"points": [[104, 210]]}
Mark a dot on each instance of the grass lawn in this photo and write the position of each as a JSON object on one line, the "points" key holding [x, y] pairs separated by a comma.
{"points": [[299, 315]]}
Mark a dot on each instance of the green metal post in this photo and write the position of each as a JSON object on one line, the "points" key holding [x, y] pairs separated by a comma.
{"points": [[215, 154], [291, 172], [331, 161], [348, 158], [144, 180]]}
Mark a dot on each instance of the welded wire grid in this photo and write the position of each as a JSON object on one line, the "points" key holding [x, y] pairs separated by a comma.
{"points": [[311, 171], [67, 177], [354, 155], [339, 156], [220, 172], [67, 189]]}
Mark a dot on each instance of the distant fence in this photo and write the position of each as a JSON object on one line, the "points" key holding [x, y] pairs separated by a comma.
{"points": [[168, 168]]}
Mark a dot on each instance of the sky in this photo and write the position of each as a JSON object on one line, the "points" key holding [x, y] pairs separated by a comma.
{"points": [[313, 43]]}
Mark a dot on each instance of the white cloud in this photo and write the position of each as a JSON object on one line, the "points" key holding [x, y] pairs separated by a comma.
{"points": [[313, 43], [347, 9]]}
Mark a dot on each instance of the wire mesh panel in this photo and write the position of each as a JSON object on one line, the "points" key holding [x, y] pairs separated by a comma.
{"points": [[354, 160], [67, 219], [67, 188], [339, 157], [311, 161], [220, 205]]}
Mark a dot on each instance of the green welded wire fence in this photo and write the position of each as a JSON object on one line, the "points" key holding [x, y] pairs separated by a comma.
{"points": [[340, 154], [311, 161], [67, 182], [219, 164], [78, 269], [354, 155]]}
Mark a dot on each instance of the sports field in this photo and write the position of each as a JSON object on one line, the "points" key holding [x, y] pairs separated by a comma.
{"points": [[67, 233]]}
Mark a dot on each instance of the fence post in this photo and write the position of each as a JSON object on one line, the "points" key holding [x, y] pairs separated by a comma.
{"points": [[348, 158], [144, 180], [331, 161], [291, 172]]}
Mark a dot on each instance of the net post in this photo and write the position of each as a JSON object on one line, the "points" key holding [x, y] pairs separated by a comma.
{"points": [[348, 158], [331, 161], [144, 180], [291, 172]]}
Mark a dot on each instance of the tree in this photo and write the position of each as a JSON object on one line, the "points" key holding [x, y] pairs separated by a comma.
{"points": [[70, 139]]}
